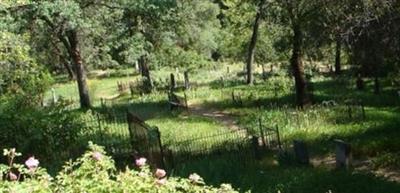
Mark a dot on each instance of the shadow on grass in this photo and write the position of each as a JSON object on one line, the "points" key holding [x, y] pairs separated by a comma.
{"points": [[371, 140], [339, 91], [261, 177], [249, 101]]}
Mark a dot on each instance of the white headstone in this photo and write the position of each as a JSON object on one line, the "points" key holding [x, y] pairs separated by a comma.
{"points": [[53, 92]]}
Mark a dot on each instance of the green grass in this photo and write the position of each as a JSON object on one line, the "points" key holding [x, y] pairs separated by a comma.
{"points": [[374, 138], [287, 179]]}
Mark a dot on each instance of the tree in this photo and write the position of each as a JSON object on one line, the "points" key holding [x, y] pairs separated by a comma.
{"points": [[300, 15], [69, 22], [253, 42]]}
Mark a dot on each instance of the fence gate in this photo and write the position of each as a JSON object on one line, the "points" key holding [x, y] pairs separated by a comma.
{"points": [[145, 141]]}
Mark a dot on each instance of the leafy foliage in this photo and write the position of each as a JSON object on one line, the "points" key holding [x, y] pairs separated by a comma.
{"points": [[95, 172]]}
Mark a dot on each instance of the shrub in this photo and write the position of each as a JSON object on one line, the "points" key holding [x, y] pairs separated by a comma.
{"points": [[95, 172], [51, 133]]}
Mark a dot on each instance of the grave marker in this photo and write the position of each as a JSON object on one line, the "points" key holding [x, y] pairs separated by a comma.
{"points": [[301, 152], [343, 154]]}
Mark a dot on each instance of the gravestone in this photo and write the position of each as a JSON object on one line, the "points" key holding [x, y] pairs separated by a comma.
{"points": [[301, 152], [137, 66], [53, 92], [343, 154]]}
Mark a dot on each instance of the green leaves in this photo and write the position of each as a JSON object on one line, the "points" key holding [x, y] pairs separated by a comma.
{"points": [[91, 174]]}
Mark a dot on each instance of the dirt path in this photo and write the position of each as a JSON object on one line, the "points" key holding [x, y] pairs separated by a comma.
{"points": [[224, 118], [364, 166]]}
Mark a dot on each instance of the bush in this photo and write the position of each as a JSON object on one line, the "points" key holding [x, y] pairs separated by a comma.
{"points": [[51, 133], [95, 172]]}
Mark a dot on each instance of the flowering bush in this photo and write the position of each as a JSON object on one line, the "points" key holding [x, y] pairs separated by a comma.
{"points": [[95, 172]]}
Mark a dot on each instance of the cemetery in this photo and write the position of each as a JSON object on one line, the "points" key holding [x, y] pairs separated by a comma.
{"points": [[221, 96]]}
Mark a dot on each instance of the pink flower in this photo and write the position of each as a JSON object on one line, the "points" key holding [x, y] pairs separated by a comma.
{"points": [[141, 162], [161, 182], [12, 176], [195, 178], [160, 173], [97, 156], [32, 163]]}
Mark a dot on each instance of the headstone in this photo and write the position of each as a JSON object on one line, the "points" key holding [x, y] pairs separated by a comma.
{"points": [[343, 154], [301, 152], [137, 66]]}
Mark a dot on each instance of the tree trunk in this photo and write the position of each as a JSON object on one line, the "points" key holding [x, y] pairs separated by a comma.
{"points": [[252, 45], [145, 71], [338, 66], [71, 73], [80, 70], [296, 63]]}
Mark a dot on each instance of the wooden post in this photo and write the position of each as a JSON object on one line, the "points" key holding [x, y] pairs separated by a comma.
{"points": [[360, 83], [102, 103], [186, 102], [173, 83], [132, 88], [349, 110], [276, 91], [100, 129], [363, 110], [162, 161], [187, 84], [264, 73], [278, 137]]}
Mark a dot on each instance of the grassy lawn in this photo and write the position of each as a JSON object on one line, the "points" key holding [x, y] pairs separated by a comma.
{"points": [[376, 137]]}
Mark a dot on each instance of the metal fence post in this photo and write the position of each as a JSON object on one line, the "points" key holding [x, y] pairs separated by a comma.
{"points": [[262, 132], [279, 138]]}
